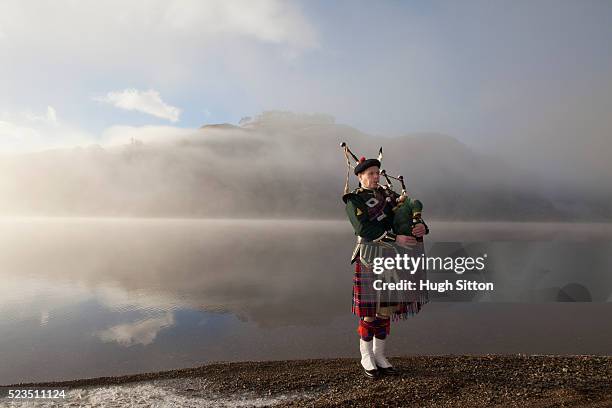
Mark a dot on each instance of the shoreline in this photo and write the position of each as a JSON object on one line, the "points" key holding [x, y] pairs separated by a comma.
{"points": [[446, 380]]}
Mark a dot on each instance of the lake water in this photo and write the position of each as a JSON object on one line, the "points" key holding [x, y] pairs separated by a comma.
{"points": [[96, 297]]}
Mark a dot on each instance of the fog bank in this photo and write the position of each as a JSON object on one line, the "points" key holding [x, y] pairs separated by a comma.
{"points": [[278, 164]]}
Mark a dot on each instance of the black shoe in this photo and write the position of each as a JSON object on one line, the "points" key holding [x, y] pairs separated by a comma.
{"points": [[372, 373], [388, 371]]}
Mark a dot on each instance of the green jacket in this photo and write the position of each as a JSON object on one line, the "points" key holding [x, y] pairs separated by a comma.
{"points": [[371, 213]]}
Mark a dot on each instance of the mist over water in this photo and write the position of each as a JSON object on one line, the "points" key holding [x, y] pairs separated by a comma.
{"points": [[92, 297], [285, 165]]}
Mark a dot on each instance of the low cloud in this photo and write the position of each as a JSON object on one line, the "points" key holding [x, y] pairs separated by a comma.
{"points": [[148, 102], [121, 135], [265, 168]]}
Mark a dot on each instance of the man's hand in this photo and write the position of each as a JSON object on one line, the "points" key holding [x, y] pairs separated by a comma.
{"points": [[419, 230], [405, 240]]}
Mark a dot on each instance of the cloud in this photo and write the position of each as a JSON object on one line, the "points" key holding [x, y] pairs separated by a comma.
{"points": [[50, 118], [156, 27], [11, 133], [51, 114], [148, 102], [200, 47], [270, 21], [30, 131]]}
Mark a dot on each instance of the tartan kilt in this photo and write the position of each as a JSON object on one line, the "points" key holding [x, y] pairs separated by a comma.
{"points": [[365, 302]]}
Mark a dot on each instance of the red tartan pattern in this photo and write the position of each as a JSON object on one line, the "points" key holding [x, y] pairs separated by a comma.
{"points": [[379, 328], [364, 301]]}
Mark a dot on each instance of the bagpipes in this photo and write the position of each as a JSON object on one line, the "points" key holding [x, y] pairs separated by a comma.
{"points": [[407, 211]]}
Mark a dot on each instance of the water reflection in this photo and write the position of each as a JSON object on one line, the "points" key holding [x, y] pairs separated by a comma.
{"points": [[83, 298], [265, 271], [140, 332]]}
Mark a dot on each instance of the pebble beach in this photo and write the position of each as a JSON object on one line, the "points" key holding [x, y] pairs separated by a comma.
{"points": [[423, 381]]}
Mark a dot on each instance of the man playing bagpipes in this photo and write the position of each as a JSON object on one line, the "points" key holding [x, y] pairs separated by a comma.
{"points": [[384, 221]]}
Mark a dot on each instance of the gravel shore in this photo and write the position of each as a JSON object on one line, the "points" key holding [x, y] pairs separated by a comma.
{"points": [[423, 381]]}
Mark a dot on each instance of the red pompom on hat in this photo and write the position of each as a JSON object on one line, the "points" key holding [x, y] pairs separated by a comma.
{"points": [[362, 159]]}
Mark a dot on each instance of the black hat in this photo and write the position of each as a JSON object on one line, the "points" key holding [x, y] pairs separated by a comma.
{"points": [[365, 164]]}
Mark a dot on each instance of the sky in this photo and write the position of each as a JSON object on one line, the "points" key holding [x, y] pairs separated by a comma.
{"points": [[531, 81]]}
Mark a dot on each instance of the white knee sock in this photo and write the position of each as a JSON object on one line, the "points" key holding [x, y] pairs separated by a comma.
{"points": [[367, 354], [379, 353]]}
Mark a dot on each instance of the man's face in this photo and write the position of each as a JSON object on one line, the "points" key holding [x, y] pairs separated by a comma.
{"points": [[369, 177]]}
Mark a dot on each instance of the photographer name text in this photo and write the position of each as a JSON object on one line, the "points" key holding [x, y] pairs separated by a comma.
{"points": [[446, 286]]}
